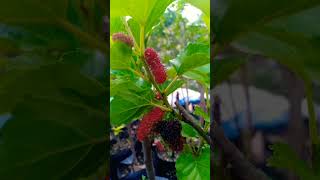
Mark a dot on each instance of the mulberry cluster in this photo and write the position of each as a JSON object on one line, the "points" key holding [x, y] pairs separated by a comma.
{"points": [[154, 63], [170, 132], [148, 122], [121, 37]]}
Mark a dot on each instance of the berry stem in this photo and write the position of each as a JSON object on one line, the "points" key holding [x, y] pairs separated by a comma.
{"points": [[138, 73], [141, 40], [161, 107]]}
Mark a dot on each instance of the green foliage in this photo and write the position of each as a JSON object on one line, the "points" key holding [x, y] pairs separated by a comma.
{"points": [[200, 112], [51, 83], [120, 56], [190, 166], [132, 89], [234, 18], [129, 102], [146, 13], [284, 157], [224, 68], [188, 131], [194, 56]]}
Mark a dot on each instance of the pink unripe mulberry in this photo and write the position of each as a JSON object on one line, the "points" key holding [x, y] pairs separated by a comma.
{"points": [[120, 37], [148, 122], [154, 63]]}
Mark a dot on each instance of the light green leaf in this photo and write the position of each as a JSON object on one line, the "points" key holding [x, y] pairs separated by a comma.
{"points": [[177, 84], [145, 12], [200, 74], [199, 112], [195, 55], [188, 131], [129, 102], [120, 56], [194, 167]]}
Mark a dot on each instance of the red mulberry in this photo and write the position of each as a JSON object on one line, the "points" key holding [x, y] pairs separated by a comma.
{"points": [[120, 37], [154, 63], [148, 122], [159, 146]]}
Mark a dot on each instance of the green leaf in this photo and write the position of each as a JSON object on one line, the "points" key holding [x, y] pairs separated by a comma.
{"points": [[57, 81], [194, 55], [52, 139], [129, 102], [146, 13], [284, 157], [116, 25], [188, 131], [199, 112], [200, 74], [177, 84], [224, 68], [235, 18], [120, 56], [16, 11], [194, 167]]}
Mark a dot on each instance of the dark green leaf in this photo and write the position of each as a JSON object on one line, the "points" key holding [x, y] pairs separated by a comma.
{"points": [[284, 157], [234, 18], [223, 68], [46, 133]]}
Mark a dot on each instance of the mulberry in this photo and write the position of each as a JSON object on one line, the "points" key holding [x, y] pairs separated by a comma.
{"points": [[120, 37], [148, 122], [170, 132], [177, 145], [159, 146], [154, 63]]}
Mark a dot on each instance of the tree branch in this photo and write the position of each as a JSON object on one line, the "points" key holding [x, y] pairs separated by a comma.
{"points": [[147, 153], [187, 118]]}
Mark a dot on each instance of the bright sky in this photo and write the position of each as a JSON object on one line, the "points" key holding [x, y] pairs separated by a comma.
{"points": [[191, 13]]}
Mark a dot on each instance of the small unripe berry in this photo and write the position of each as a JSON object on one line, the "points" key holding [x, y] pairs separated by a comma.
{"points": [[158, 95], [154, 63], [120, 37], [148, 122]]}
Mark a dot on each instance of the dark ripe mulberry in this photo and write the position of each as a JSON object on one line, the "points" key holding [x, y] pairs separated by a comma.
{"points": [[121, 37], [170, 132], [148, 122], [154, 63]]}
